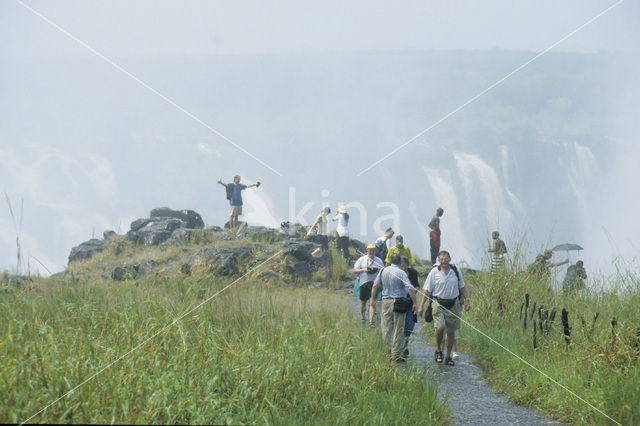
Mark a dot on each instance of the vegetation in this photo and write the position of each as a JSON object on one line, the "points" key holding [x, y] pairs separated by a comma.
{"points": [[598, 361], [256, 353]]}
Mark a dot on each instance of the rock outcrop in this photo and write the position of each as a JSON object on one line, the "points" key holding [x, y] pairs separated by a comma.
{"points": [[161, 225], [87, 249]]}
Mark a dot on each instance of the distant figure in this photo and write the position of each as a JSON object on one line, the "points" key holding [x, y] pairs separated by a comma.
{"points": [[499, 249], [410, 318], [342, 241], [540, 268], [395, 286], [402, 250], [574, 280], [368, 267], [234, 195], [318, 230], [434, 235], [383, 244], [446, 285]]}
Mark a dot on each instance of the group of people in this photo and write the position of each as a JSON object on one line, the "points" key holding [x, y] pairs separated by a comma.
{"points": [[396, 281], [387, 272]]}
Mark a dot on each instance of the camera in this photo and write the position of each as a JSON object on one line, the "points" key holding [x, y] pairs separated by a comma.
{"points": [[372, 270]]}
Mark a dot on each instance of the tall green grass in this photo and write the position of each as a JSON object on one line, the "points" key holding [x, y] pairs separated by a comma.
{"points": [[600, 364], [251, 355]]}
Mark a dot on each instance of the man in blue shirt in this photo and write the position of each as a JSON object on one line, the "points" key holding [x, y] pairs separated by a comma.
{"points": [[234, 195], [395, 285]]}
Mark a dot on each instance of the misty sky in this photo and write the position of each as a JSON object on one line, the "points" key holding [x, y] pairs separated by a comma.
{"points": [[90, 149]]}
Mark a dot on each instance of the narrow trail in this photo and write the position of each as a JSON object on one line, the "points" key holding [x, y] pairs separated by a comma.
{"points": [[471, 399]]}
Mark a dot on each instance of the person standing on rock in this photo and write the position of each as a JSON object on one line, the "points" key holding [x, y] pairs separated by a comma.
{"points": [[395, 288], [499, 249], [318, 230], [434, 235], [342, 240], [447, 286], [368, 267], [234, 195]]}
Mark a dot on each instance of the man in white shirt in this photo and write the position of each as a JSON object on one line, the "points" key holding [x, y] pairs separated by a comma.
{"points": [[368, 267], [447, 286]]}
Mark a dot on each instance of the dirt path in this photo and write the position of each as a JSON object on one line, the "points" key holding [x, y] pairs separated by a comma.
{"points": [[471, 399]]}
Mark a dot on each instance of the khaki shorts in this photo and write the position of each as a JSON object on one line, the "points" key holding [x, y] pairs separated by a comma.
{"points": [[446, 319], [236, 211]]}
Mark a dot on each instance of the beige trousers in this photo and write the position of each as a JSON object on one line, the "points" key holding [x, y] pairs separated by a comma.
{"points": [[392, 324]]}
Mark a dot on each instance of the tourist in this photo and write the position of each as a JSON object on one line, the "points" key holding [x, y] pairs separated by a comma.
{"points": [[368, 267], [402, 250], [318, 230], [410, 318], [383, 244], [446, 285], [234, 195], [342, 240], [574, 279], [499, 249], [434, 235], [395, 287]]}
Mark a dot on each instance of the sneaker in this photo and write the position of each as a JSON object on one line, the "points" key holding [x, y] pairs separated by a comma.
{"points": [[455, 355]]}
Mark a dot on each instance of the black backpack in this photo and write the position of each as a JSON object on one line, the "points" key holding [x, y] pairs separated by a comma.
{"points": [[230, 187]]}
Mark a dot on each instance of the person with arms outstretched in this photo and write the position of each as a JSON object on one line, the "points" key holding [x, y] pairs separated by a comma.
{"points": [[234, 195]]}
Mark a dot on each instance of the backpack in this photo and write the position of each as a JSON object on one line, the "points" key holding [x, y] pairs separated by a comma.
{"points": [[382, 249], [229, 188]]}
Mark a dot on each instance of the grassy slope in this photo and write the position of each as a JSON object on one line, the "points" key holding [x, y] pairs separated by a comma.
{"points": [[599, 367], [255, 354]]}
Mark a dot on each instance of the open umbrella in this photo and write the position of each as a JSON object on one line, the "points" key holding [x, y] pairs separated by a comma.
{"points": [[567, 247]]}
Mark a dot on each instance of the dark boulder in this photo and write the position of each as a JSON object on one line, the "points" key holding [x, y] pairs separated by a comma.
{"points": [[109, 235], [155, 232], [123, 272], [180, 235], [324, 260], [299, 270], [358, 246], [261, 233], [139, 223], [192, 219], [223, 261], [87, 249], [293, 229], [299, 250], [128, 271]]}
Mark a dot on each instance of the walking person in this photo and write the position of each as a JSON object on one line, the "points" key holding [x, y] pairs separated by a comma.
{"points": [[410, 318], [434, 235], [368, 267], [342, 240], [234, 195], [395, 287], [447, 286], [383, 244], [498, 249], [402, 250], [318, 230]]}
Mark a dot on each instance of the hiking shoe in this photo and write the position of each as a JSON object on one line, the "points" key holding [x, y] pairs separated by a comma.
{"points": [[455, 355]]}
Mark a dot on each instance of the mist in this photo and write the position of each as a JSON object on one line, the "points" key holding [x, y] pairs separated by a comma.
{"points": [[549, 154]]}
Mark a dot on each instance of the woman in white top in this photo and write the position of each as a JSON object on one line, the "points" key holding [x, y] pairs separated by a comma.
{"points": [[342, 241]]}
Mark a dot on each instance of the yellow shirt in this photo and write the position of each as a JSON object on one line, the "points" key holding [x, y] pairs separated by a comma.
{"points": [[404, 251]]}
